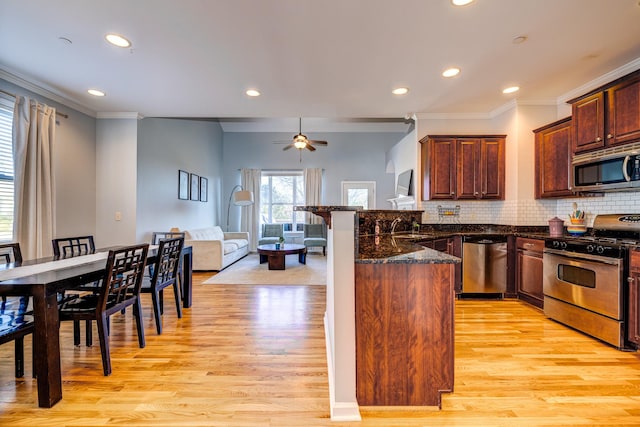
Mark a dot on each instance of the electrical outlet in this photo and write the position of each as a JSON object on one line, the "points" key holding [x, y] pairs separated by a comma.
{"points": [[118, 216]]}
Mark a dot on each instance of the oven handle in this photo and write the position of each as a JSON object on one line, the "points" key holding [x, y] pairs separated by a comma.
{"points": [[624, 168], [585, 257]]}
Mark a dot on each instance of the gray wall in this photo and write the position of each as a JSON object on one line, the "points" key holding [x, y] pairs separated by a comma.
{"points": [[350, 156], [164, 147]]}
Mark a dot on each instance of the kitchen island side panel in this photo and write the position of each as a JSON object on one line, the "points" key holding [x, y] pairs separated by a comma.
{"points": [[404, 333]]}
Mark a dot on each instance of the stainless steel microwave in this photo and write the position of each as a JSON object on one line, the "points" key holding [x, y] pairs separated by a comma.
{"points": [[610, 169]]}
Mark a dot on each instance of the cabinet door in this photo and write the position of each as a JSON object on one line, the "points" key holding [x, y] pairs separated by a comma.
{"points": [[491, 177], [623, 119], [442, 178], [553, 160], [468, 168], [529, 270], [633, 328], [588, 123]]}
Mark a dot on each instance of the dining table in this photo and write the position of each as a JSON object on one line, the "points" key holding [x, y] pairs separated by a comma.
{"points": [[43, 279]]}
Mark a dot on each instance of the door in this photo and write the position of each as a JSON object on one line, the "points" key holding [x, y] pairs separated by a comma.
{"points": [[359, 193]]}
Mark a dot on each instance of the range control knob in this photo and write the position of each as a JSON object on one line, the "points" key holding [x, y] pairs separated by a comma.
{"points": [[600, 249], [555, 244], [563, 245], [591, 248]]}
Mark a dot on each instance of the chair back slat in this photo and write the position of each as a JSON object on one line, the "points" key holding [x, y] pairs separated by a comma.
{"points": [[10, 253], [160, 235], [73, 246], [123, 277], [165, 270]]}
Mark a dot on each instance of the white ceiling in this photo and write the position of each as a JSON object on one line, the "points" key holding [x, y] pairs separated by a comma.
{"points": [[330, 59]]}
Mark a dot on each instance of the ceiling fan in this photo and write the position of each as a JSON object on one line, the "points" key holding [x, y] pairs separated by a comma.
{"points": [[300, 141]]}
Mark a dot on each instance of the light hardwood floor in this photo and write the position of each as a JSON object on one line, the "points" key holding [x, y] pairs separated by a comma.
{"points": [[254, 356]]}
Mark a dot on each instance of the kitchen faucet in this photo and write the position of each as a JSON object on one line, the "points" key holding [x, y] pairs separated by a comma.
{"points": [[394, 224]]}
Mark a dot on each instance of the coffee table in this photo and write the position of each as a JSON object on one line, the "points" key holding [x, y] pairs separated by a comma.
{"points": [[276, 257]]}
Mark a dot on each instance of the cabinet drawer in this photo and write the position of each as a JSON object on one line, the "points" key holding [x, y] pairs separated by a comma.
{"points": [[534, 245], [634, 260]]}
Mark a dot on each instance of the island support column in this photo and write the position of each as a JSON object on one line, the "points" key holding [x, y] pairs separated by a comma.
{"points": [[339, 322]]}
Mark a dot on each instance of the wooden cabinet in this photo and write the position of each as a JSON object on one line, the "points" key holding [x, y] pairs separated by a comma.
{"points": [[463, 167], [608, 116], [633, 327], [553, 159], [529, 270], [404, 334], [452, 246]]}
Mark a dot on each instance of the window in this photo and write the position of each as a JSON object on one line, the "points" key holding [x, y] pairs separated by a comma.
{"points": [[6, 170], [359, 193], [280, 192]]}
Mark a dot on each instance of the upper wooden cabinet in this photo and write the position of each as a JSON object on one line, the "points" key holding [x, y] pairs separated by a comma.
{"points": [[463, 167], [608, 116], [553, 159]]}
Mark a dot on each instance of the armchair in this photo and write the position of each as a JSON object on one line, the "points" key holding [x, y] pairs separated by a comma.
{"points": [[315, 235], [271, 233]]}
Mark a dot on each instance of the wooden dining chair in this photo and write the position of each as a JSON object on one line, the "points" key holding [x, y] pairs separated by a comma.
{"points": [[120, 288], [10, 253], [14, 326], [156, 237], [67, 247], [165, 274], [73, 246]]}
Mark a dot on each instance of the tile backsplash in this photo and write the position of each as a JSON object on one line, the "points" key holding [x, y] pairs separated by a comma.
{"points": [[529, 212]]}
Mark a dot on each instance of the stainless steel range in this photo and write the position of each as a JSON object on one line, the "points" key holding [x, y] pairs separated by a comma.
{"points": [[584, 278]]}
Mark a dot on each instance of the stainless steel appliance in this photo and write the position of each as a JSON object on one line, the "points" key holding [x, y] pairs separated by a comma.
{"points": [[616, 168], [584, 277], [484, 265]]}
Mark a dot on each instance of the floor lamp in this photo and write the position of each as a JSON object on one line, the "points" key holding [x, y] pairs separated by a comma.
{"points": [[240, 198]]}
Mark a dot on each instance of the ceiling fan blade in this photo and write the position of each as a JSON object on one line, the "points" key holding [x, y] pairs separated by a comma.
{"points": [[287, 147], [311, 141], [310, 147]]}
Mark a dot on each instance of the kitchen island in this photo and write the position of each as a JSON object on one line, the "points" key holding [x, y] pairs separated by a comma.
{"points": [[405, 293], [404, 307]]}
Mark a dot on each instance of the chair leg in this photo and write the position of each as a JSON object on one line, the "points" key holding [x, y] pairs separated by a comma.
{"points": [[178, 295], [89, 333], [19, 343], [76, 333], [324, 251], [104, 344], [161, 300], [137, 311], [155, 299]]}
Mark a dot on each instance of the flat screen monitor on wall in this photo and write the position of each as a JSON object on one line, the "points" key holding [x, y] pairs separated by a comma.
{"points": [[405, 183]]}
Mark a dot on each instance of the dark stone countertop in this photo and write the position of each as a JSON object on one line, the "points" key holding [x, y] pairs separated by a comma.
{"points": [[386, 249]]}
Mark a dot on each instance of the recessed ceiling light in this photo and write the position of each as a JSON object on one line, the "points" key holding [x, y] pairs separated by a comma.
{"points": [[511, 89], [117, 40], [96, 92], [461, 2], [400, 91], [519, 39], [450, 72], [252, 92]]}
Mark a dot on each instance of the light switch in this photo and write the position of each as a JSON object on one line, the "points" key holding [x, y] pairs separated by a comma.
{"points": [[118, 216]]}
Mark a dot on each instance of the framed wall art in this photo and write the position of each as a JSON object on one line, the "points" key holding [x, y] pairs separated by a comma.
{"points": [[183, 185], [195, 187], [204, 187]]}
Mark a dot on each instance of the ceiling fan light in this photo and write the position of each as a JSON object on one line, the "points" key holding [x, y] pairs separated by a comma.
{"points": [[299, 143]]}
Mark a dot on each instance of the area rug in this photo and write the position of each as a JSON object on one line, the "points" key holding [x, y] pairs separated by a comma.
{"points": [[249, 271]]}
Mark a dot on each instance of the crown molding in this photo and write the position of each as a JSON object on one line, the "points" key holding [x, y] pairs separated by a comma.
{"points": [[600, 81], [119, 115], [48, 93]]}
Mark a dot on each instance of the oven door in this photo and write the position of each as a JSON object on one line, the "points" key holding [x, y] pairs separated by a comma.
{"points": [[588, 281]]}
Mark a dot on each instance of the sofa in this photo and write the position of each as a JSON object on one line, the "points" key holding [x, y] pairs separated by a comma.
{"points": [[214, 249]]}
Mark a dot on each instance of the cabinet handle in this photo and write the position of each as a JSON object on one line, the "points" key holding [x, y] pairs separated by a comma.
{"points": [[528, 245], [452, 193], [475, 193], [598, 139], [610, 136]]}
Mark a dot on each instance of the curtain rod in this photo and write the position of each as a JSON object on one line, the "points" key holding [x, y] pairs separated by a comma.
{"points": [[66, 116]]}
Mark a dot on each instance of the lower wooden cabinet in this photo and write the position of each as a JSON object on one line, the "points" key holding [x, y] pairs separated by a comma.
{"points": [[451, 246], [529, 270], [633, 327]]}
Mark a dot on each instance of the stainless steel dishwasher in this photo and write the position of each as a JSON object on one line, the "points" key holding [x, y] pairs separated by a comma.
{"points": [[484, 265]]}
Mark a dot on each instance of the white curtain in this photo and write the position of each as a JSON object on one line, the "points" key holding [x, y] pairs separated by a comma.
{"points": [[250, 217], [313, 192], [34, 127]]}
